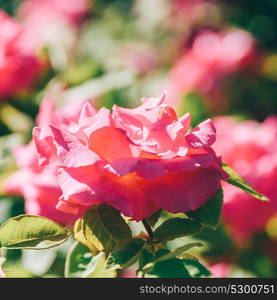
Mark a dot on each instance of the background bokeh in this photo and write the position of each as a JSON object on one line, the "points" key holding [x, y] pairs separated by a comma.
{"points": [[215, 59]]}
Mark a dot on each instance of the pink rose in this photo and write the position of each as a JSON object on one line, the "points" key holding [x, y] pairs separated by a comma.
{"points": [[41, 12], [136, 160], [186, 13], [251, 149], [212, 57], [38, 184], [19, 63]]}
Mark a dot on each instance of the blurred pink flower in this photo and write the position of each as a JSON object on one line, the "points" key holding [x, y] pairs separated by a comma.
{"points": [[139, 58], [2, 274], [212, 57], [136, 160], [185, 12], [41, 12], [19, 63], [38, 184], [128, 274], [220, 270], [251, 149], [178, 5], [55, 25]]}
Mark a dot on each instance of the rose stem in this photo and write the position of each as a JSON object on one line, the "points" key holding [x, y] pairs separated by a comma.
{"points": [[148, 229], [150, 233]]}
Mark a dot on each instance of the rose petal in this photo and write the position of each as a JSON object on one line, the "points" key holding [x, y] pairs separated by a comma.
{"points": [[203, 135], [183, 191]]}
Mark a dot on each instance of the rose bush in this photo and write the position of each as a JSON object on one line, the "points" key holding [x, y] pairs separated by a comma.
{"points": [[137, 160]]}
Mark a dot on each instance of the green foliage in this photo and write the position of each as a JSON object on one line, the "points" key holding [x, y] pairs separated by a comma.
{"points": [[153, 219], [10, 6], [258, 263], [97, 268], [236, 180], [104, 227], [176, 227], [195, 268], [163, 256], [108, 73], [31, 232], [179, 251], [76, 260], [77, 74], [218, 241], [194, 104], [209, 213], [80, 263], [145, 258], [78, 231], [126, 255]]}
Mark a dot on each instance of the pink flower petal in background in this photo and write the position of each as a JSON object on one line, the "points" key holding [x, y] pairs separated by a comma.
{"points": [[19, 62], [212, 57], [250, 148]]}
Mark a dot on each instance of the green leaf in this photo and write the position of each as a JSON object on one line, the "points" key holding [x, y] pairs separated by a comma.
{"points": [[80, 263], [80, 237], [176, 227], [173, 268], [76, 260], [209, 214], [236, 180], [105, 228], [170, 268], [153, 219], [97, 268], [179, 251], [145, 258], [168, 255], [126, 255], [195, 268], [31, 232]]}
